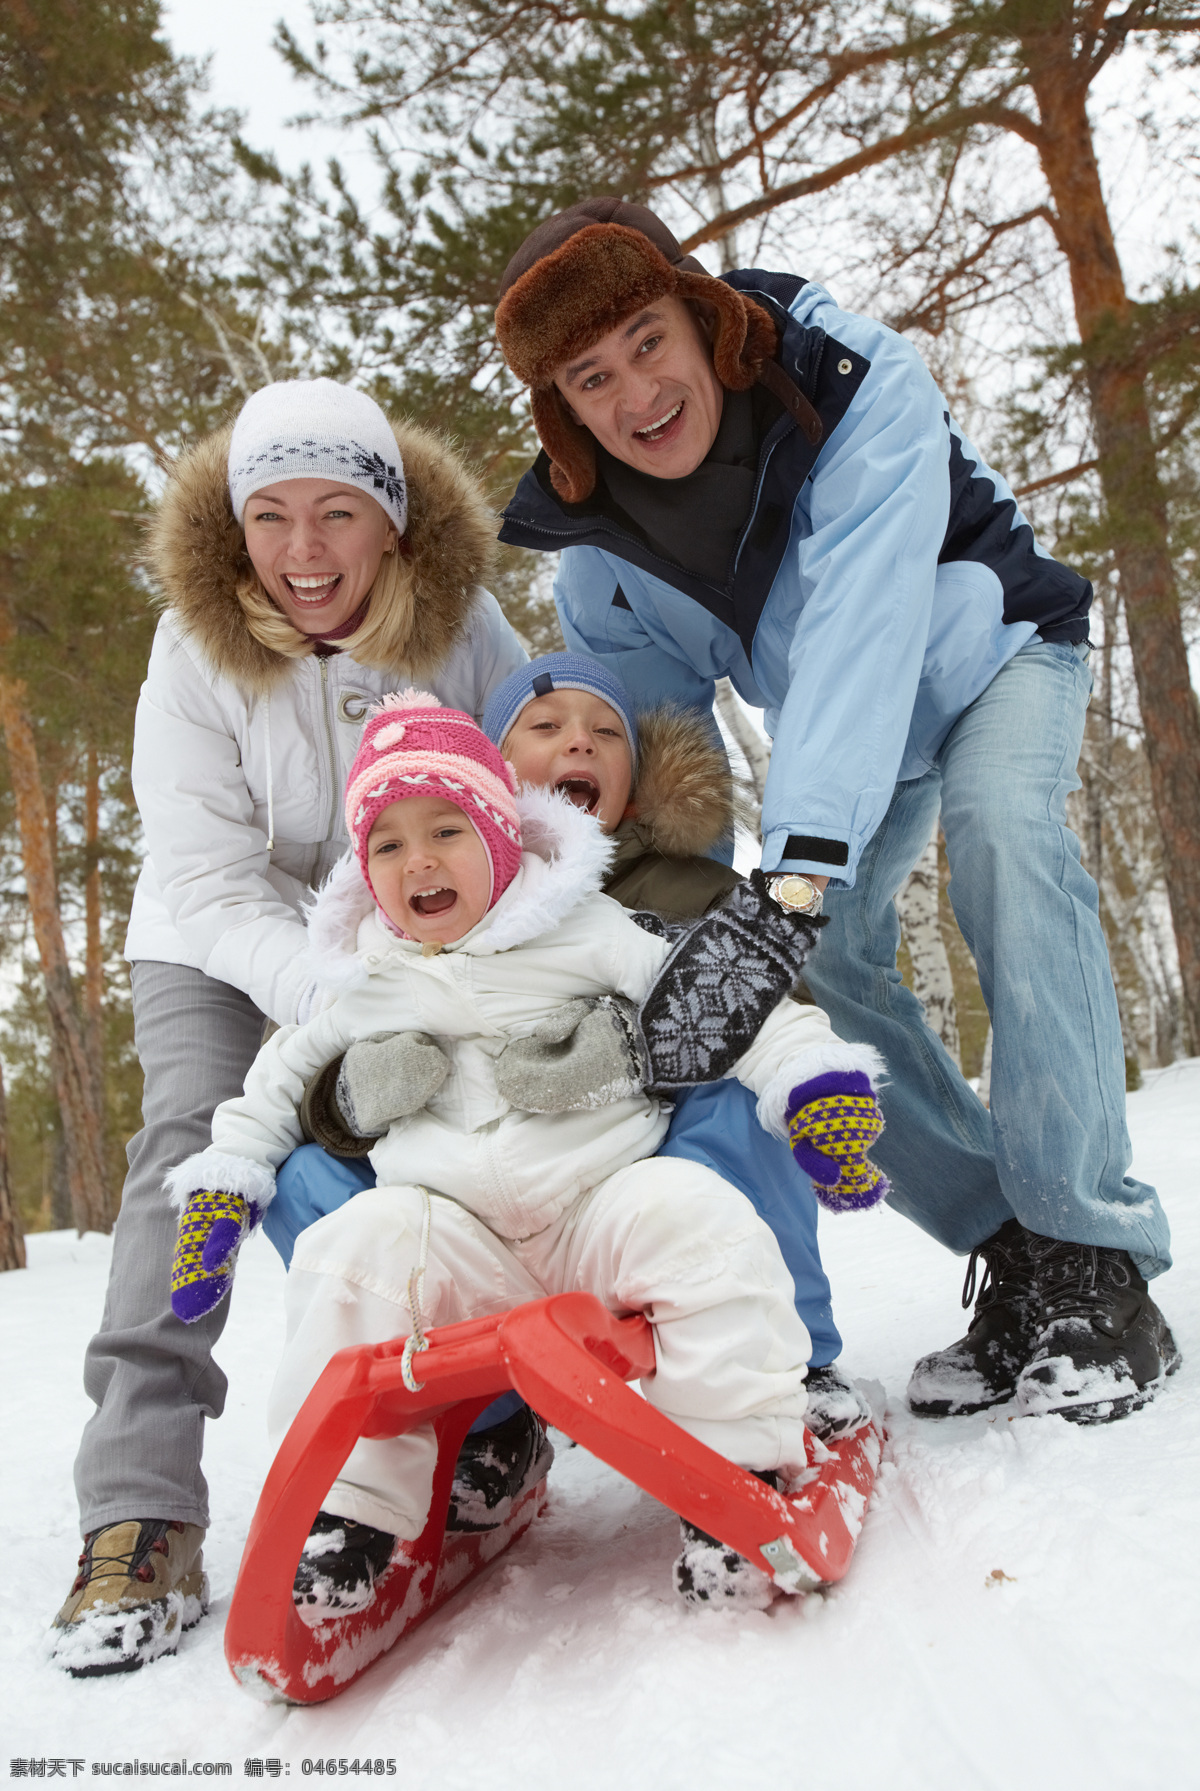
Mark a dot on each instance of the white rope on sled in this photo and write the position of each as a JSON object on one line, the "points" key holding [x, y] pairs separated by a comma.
{"points": [[416, 1285]]}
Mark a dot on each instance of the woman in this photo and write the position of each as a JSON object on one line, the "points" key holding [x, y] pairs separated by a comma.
{"points": [[311, 559]]}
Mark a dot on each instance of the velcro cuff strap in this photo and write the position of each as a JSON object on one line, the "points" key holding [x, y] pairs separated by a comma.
{"points": [[807, 845]]}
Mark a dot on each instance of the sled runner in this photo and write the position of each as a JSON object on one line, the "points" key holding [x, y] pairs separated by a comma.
{"points": [[569, 1358]]}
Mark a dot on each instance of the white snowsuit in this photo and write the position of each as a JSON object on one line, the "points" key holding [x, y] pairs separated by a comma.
{"points": [[523, 1204]]}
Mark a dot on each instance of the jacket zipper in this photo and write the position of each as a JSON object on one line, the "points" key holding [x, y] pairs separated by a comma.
{"points": [[333, 764], [762, 474]]}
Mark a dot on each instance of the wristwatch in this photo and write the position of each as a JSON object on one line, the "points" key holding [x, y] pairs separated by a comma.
{"points": [[794, 893]]}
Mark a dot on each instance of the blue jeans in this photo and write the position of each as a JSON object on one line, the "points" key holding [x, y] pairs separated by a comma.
{"points": [[1053, 1150], [714, 1125]]}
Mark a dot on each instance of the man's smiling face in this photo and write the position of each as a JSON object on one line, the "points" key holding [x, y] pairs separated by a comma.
{"points": [[647, 390]]}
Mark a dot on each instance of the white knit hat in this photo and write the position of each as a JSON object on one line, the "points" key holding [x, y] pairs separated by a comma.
{"points": [[313, 428]]}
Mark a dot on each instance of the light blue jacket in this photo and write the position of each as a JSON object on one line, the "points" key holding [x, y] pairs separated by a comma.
{"points": [[908, 578]]}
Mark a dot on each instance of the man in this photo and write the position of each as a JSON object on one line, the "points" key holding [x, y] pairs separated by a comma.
{"points": [[744, 480]]}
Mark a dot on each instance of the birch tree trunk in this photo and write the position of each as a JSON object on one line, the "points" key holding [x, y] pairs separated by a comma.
{"points": [[753, 748], [12, 1244], [933, 984], [985, 1071], [76, 1083]]}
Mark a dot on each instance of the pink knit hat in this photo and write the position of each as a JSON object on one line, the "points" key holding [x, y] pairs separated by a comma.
{"points": [[411, 746]]}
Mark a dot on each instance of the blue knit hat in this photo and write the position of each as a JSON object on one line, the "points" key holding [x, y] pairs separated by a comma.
{"points": [[557, 671]]}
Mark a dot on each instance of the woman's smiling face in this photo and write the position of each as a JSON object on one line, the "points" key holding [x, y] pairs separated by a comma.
{"points": [[317, 547], [429, 870], [572, 741]]}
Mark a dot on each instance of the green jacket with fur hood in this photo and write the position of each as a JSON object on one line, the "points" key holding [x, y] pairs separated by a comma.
{"points": [[683, 809], [241, 752]]}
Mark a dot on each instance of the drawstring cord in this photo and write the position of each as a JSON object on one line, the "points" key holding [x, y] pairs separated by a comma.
{"points": [[416, 1281], [270, 785]]}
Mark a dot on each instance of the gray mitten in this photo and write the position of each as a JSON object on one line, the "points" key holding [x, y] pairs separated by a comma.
{"points": [[388, 1077], [586, 1054]]}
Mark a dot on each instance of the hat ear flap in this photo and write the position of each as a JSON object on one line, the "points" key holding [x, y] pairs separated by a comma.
{"points": [[571, 447], [744, 335]]}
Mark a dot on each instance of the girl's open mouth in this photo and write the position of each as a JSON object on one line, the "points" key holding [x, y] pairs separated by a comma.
{"points": [[582, 790], [428, 902]]}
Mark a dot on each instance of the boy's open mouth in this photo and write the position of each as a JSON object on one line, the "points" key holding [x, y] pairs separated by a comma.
{"points": [[582, 790], [428, 902], [315, 588]]}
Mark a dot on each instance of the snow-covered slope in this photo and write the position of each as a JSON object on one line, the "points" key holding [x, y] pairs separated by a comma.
{"points": [[1021, 1614]]}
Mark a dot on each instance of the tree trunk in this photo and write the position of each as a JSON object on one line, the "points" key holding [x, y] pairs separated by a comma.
{"points": [[933, 984], [985, 1071], [93, 974], [75, 1081], [754, 749], [1136, 504], [12, 1243]]}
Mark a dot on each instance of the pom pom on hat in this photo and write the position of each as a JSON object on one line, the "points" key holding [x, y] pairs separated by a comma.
{"points": [[413, 746]]}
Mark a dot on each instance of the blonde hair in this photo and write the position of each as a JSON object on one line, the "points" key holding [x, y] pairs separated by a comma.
{"points": [[373, 644]]}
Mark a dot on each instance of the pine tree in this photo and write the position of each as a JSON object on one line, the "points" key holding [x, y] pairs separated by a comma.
{"points": [[115, 336]]}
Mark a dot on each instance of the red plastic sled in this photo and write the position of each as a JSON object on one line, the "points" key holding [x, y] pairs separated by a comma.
{"points": [[570, 1359]]}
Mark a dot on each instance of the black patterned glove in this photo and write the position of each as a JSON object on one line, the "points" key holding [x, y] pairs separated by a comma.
{"points": [[723, 979]]}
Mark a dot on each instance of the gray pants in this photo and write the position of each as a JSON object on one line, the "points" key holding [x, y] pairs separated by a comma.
{"points": [[153, 1379]]}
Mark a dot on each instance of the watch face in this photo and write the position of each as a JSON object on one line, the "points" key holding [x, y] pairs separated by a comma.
{"points": [[794, 891]]}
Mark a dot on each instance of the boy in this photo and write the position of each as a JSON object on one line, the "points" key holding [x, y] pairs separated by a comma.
{"points": [[469, 917]]}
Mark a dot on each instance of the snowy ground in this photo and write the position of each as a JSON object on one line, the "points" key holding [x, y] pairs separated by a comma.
{"points": [[570, 1663]]}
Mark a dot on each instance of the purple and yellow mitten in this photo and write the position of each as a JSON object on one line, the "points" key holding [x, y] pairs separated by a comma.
{"points": [[212, 1228], [832, 1123]]}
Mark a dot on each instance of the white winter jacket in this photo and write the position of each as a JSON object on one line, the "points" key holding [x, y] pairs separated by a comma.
{"points": [[241, 754], [552, 937]]}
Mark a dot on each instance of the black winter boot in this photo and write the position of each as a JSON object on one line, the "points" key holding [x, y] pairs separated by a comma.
{"points": [[339, 1567], [495, 1467], [835, 1405], [1104, 1348], [981, 1369], [710, 1572]]}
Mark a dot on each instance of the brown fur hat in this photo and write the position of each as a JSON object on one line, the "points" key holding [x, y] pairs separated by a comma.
{"points": [[581, 274]]}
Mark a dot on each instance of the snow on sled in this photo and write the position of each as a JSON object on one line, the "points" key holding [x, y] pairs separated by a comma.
{"points": [[569, 1358]]}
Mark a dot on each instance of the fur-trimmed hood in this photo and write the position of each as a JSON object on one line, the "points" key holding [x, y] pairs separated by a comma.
{"points": [[564, 861], [683, 798], [197, 552]]}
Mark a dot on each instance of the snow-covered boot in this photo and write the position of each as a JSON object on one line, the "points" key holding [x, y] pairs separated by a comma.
{"points": [[981, 1369], [835, 1405], [495, 1467], [710, 1572], [1104, 1348], [140, 1585], [339, 1566]]}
